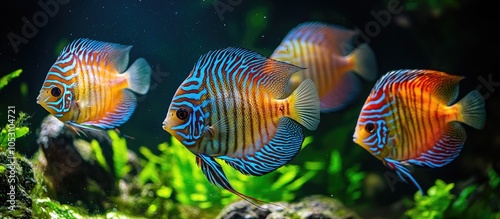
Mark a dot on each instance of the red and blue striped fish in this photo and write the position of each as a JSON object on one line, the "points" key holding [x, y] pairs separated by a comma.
{"points": [[331, 60], [90, 86], [230, 107], [411, 117]]}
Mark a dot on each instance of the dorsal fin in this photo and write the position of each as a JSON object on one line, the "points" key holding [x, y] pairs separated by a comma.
{"points": [[336, 38], [243, 67], [98, 51], [443, 85]]}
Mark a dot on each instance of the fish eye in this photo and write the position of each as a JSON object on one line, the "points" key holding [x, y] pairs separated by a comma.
{"points": [[55, 92], [182, 114], [370, 127]]}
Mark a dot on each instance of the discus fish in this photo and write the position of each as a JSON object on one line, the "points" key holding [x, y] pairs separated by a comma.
{"points": [[230, 108], [89, 85], [331, 61], [411, 118]]}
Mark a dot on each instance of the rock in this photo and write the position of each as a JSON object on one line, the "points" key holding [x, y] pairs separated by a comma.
{"points": [[308, 208], [70, 168], [17, 180]]}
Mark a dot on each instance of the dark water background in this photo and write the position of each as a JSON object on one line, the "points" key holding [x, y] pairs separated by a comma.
{"points": [[451, 36]]}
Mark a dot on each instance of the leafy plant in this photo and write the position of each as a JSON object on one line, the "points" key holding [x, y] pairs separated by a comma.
{"points": [[19, 127], [99, 155], [6, 79], [344, 183], [178, 176], [335, 157], [120, 157], [474, 201], [435, 203], [48, 208], [437, 6]]}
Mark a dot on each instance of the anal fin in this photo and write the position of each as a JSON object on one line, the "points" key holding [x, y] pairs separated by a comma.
{"points": [[447, 148], [215, 175], [277, 152]]}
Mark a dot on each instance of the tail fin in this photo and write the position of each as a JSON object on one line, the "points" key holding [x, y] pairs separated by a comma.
{"points": [[472, 110], [306, 105], [139, 76], [364, 62]]}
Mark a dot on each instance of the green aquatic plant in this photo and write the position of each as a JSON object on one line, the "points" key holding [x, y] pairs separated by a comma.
{"points": [[282, 184], [19, 127], [335, 157], [98, 154], [31, 196], [6, 79], [16, 123], [16, 183], [434, 204], [48, 208], [478, 200], [178, 176], [120, 157], [473, 201], [345, 182], [435, 6]]}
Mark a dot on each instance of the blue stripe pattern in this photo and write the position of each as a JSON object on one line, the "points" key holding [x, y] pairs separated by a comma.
{"points": [[220, 97], [276, 153]]}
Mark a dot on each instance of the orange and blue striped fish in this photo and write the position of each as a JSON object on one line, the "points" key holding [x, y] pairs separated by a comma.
{"points": [[230, 107], [90, 86], [331, 61], [411, 117]]}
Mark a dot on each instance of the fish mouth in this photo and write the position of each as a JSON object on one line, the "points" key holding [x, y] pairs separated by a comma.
{"points": [[38, 99], [355, 138], [165, 125]]}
